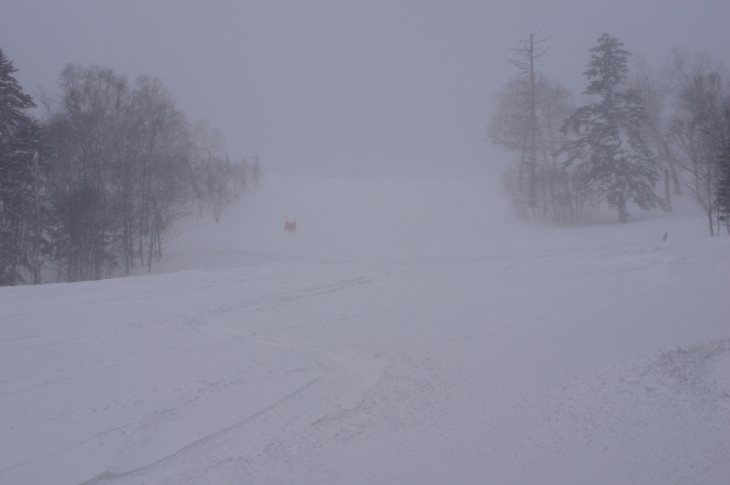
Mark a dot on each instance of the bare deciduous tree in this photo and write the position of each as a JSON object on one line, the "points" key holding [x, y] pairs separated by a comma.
{"points": [[557, 196], [699, 126]]}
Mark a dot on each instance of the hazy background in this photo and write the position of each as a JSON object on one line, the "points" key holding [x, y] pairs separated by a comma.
{"points": [[396, 87]]}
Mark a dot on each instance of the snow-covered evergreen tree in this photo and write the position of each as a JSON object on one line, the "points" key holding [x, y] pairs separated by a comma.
{"points": [[607, 142]]}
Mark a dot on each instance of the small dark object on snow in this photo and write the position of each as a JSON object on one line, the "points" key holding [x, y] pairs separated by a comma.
{"points": [[666, 235]]}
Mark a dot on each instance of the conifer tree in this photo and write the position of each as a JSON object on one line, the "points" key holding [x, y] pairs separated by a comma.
{"points": [[607, 143], [15, 173], [13, 101]]}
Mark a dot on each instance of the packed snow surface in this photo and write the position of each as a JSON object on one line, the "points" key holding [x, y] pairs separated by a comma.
{"points": [[404, 334]]}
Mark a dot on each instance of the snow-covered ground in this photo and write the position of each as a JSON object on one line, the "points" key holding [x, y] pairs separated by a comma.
{"points": [[405, 334]]}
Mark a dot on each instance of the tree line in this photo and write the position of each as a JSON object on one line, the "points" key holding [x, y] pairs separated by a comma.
{"points": [[92, 188], [639, 138]]}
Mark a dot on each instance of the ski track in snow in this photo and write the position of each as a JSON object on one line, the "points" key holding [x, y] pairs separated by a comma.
{"points": [[208, 335]]}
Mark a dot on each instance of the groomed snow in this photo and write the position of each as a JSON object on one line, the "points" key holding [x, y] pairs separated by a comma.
{"points": [[404, 334]]}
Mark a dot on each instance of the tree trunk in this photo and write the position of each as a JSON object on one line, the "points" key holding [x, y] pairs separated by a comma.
{"points": [[667, 191], [623, 215], [675, 178], [709, 220]]}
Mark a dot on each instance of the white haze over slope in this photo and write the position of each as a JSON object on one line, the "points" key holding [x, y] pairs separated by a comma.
{"points": [[404, 334]]}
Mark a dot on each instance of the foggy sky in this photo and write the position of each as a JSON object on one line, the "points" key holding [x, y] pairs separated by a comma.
{"points": [[344, 87]]}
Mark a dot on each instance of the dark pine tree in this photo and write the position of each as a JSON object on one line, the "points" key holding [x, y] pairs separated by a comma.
{"points": [[607, 143], [15, 174], [13, 102]]}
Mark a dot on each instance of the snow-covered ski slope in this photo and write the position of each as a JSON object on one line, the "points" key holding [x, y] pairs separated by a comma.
{"points": [[405, 334]]}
